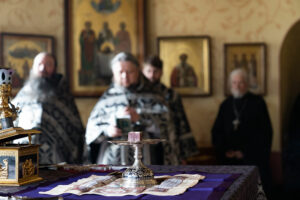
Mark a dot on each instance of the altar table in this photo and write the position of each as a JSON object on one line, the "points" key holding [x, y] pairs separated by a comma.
{"points": [[222, 182]]}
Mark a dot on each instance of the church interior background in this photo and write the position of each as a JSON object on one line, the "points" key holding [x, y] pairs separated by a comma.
{"points": [[274, 22]]}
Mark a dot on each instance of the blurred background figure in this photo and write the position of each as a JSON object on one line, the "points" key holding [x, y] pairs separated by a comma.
{"points": [[131, 97], [46, 104], [153, 70], [242, 132]]}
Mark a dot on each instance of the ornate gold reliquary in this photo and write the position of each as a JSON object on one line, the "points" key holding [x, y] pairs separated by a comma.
{"points": [[19, 163]]}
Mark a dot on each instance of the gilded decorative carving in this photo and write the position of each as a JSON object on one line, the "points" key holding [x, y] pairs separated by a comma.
{"points": [[27, 168], [5, 110]]}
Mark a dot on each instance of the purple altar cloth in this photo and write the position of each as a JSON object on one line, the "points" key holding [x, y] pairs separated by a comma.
{"points": [[211, 188]]}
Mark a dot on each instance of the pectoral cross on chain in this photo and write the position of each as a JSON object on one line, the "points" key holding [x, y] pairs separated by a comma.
{"points": [[235, 123]]}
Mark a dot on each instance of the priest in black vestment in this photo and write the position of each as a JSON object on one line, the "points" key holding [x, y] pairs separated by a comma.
{"points": [[242, 132]]}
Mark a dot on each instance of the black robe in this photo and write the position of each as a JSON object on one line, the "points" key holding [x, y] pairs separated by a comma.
{"points": [[291, 151], [184, 136], [253, 137]]}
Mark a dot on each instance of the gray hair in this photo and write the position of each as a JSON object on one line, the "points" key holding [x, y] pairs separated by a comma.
{"points": [[124, 56], [240, 71]]}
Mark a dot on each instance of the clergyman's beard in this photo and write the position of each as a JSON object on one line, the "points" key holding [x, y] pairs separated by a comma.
{"points": [[40, 88], [236, 93]]}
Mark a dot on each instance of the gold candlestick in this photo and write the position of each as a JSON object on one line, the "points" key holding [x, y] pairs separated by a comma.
{"points": [[8, 112]]}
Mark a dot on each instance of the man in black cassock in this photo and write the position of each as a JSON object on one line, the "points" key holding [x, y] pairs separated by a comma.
{"points": [[242, 133]]}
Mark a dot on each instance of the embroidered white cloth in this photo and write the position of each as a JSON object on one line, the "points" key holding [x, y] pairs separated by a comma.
{"points": [[112, 186]]}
